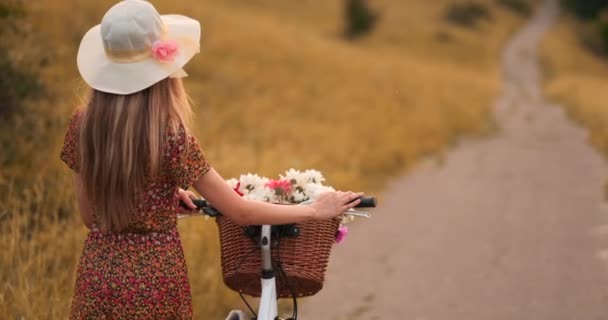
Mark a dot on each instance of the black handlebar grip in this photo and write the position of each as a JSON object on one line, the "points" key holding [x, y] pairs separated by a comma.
{"points": [[199, 203], [367, 202]]}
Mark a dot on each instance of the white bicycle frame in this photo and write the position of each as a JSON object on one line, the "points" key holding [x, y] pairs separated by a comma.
{"points": [[268, 309], [268, 301]]}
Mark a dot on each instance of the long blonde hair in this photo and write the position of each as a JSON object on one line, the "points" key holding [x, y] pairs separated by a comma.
{"points": [[121, 145]]}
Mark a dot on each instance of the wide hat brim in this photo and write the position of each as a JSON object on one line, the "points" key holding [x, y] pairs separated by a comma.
{"points": [[103, 74]]}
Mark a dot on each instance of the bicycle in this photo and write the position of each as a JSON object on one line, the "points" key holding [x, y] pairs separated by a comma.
{"points": [[268, 306]]}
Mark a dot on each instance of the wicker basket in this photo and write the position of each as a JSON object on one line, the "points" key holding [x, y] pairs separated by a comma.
{"points": [[303, 258]]}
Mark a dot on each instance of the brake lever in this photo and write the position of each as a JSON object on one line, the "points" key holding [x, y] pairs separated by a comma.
{"points": [[357, 213]]}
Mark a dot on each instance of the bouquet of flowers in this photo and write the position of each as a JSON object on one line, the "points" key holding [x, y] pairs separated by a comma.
{"points": [[293, 187]]}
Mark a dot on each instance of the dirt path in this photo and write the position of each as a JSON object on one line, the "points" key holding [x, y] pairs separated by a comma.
{"points": [[506, 229]]}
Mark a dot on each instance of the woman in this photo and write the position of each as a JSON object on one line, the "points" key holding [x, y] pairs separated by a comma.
{"points": [[133, 156]]}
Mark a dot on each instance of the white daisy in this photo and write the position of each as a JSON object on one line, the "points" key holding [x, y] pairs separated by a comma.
{"points": [[313, 176], [299, 196], [266, 194], [294, 176], [249, 182]]}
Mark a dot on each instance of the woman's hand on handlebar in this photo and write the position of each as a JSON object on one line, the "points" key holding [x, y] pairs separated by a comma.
{"points": [[186, 197], [331, 204]]}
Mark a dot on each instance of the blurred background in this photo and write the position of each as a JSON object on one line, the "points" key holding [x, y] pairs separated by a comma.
{"points": [[360, 90]]}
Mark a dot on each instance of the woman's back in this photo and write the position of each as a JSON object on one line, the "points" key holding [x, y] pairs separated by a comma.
{"points": [[157, 203]]}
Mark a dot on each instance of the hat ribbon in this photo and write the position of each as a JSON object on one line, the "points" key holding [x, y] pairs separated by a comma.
{"points": [[131, 56]]}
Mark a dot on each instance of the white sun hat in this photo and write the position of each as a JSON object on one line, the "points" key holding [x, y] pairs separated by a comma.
{"points": [[135, 47]]}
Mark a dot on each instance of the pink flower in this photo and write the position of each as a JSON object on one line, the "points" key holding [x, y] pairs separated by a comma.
{"points": [[165, 50], [283, 186], [341, 234]]}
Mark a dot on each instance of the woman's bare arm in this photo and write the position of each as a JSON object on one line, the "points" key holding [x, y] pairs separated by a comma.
{"points": [[213, 188], [83, 202]]}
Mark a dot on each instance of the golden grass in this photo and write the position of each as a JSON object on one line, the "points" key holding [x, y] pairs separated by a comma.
{"points": [[577, 79], [274, 87]]}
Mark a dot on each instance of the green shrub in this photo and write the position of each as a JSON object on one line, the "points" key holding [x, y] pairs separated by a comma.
{"points": [[10, 9], [519, 6], [591, 39], [360, 19], [597, 38], [466, 14], [603, 31], [585, 9], [594, 16], [15, 85], [16, 82]]}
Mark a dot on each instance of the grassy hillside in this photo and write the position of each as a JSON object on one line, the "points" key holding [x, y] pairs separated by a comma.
{"points": [[576, 78], [275, 86]]}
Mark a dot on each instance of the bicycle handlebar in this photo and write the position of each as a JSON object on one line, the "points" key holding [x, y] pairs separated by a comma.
{"points": [[208, 209]]}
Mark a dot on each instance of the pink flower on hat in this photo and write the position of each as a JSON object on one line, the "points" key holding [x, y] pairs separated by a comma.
{"points": [[165, 50]]}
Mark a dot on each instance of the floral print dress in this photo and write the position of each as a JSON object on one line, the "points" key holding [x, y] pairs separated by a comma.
{"points": [[139, 273]]}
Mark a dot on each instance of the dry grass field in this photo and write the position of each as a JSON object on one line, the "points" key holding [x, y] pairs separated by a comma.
{"points": [[576, 78], [275, 86]]}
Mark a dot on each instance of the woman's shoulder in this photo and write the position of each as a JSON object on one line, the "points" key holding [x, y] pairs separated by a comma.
{"points": [[184, 157], [176, 133], [180, 141], [177, 140], [76, 117], [75, 122], [69, 152]]}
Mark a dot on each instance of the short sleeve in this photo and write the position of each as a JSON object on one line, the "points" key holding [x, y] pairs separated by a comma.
{"points": [[189, 162], [69, 153]]}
